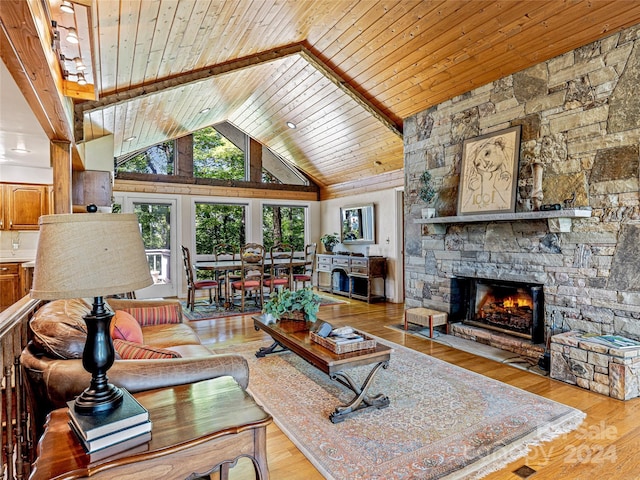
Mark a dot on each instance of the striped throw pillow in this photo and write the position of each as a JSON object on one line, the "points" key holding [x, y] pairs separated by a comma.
{"points": [[160, 315], [134, 351]]}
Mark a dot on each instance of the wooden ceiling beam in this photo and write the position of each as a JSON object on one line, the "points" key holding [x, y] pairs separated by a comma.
{"points": [[228, 67]]}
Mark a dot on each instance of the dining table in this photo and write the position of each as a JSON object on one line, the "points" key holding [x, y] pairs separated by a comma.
{"points": [[231, 265]]}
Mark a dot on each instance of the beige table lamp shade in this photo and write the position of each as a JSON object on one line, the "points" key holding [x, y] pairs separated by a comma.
{"points": [[89, 255]]}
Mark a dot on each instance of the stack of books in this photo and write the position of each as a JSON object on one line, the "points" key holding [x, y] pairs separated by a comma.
{"points": [[108, 433]]}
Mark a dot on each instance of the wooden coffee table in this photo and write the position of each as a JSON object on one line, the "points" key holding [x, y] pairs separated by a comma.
{"points": [[294, 336]]}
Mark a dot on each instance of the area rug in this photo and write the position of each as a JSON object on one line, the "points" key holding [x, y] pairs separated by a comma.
{"points": [[204, 311], [443, 421], [476, 348]]}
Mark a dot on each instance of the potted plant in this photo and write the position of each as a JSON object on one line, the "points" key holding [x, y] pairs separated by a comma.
{"points": [[300, 304], [330, 240], [427, 193]]}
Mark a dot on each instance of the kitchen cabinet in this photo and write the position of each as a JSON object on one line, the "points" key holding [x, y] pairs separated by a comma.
{"points": [[22, 205], [9, 284]]}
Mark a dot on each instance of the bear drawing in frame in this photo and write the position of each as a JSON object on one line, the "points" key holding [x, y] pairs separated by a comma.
{"points": [[489, 173]]}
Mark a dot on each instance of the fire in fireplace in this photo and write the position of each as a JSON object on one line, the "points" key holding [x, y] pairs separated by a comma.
{"points": [[511, 307]]}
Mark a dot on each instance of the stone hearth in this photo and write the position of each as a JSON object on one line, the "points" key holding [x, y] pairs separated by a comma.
{"points": [[503, 341]]}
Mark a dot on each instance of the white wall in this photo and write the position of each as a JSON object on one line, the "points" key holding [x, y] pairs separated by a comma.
{"points": [[388, 239]]}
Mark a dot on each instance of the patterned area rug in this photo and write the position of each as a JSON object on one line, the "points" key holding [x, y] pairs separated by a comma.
{"points": [[443, 421], [204, 311]]}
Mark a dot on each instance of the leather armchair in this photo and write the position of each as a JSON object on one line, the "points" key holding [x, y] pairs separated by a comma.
{"points": [[52, 361]]}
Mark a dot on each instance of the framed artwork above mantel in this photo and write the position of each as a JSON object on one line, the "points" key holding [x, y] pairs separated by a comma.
{"points": [[489, 173]]}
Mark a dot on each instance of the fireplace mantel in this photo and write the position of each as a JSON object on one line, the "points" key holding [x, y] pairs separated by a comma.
{"points": [[559, 220]]}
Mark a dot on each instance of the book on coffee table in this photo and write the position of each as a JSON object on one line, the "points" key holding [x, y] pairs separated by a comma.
{"points": [[129, 447], [127, 414], [112, 438]]}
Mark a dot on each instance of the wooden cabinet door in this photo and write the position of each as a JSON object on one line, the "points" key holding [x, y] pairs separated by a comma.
{"points": [[9, 284], [24, 206]]}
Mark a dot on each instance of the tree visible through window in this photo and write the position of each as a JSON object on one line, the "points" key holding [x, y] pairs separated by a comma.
{"points": [[216, 157], [219, 223], [158, 160], [283, 224]]}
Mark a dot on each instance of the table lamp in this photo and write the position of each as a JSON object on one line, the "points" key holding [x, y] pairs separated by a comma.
{"points": [[91, 255]]}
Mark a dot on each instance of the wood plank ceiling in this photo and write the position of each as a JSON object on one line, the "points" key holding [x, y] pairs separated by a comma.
{"points": [[346, 72]]}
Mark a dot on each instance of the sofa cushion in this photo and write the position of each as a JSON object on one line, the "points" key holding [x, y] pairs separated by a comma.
{"points": [[166, 336], [59, 329], [160, 315], [125, 327], [135, 351]]}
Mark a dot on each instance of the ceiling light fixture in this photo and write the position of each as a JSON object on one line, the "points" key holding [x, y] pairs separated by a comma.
{"points": [[20, 150], [205, 110], [128, 139], [67, 7], [79, 64], [81, 79], [291, 125], [72, 34]]}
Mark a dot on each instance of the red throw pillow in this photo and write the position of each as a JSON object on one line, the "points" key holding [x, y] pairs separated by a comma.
{"points": [[125, 327]]}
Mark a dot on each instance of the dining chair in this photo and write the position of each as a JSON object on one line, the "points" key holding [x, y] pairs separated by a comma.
{"points": [[193, 284], [281, 271], [251, 273], [225, 251], [309, 267]]}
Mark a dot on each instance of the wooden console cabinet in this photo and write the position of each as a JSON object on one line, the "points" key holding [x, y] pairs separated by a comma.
{"points": [[352, 276]]}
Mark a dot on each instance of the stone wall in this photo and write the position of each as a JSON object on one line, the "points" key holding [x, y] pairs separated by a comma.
{"points": [[580, 117]]}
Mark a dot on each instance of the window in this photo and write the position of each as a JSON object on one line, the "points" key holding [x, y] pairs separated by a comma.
{"points": [[220, 152], [218, 223], [283, 224], [215, 156], [158, 160]]}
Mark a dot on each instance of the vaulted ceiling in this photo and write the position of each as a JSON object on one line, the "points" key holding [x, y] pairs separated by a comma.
{"points": [[345, 72]]}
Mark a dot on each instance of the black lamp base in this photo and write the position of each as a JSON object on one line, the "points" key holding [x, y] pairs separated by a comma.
{"points": [[97, 358], [91, 402]]}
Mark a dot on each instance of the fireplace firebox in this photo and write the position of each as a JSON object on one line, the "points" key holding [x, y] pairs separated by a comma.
{"points": [[515, 308]]}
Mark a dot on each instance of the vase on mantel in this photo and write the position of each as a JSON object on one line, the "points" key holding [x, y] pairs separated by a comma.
{"points": [[428, 212]]}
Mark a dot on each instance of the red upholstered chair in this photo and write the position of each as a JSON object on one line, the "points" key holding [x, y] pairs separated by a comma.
{"points": [[280, 274], [309, 267], [251, 273], [192, 284]]}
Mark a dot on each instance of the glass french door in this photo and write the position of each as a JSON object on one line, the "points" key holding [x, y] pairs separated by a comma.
{"points": [[157, 220]]}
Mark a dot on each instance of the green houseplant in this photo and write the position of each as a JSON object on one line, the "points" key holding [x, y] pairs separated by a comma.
{"points": [[427, 193], [330, 240], [304, 302]]}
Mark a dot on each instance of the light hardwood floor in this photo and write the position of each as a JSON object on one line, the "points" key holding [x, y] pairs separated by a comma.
{"points": [[605, 447]]}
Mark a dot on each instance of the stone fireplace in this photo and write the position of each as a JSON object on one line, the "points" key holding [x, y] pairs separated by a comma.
{"points": [[580, 122], [515, 308]]}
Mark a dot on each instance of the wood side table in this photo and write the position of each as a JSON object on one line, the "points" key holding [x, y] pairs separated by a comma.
{"points": [[197, 429]]}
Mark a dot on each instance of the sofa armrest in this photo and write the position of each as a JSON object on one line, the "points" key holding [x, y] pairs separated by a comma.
{"points": [[59, 381]]}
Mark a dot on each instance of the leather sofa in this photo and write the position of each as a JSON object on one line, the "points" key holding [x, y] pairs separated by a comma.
{"points": [[52, 361]]}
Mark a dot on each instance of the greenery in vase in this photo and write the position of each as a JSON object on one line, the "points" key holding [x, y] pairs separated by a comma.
{"points": [[427, 192], [330, 240], [285, 301]]}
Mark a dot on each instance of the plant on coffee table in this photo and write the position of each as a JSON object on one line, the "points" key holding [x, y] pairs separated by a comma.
{"points": [[286, 303]]}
